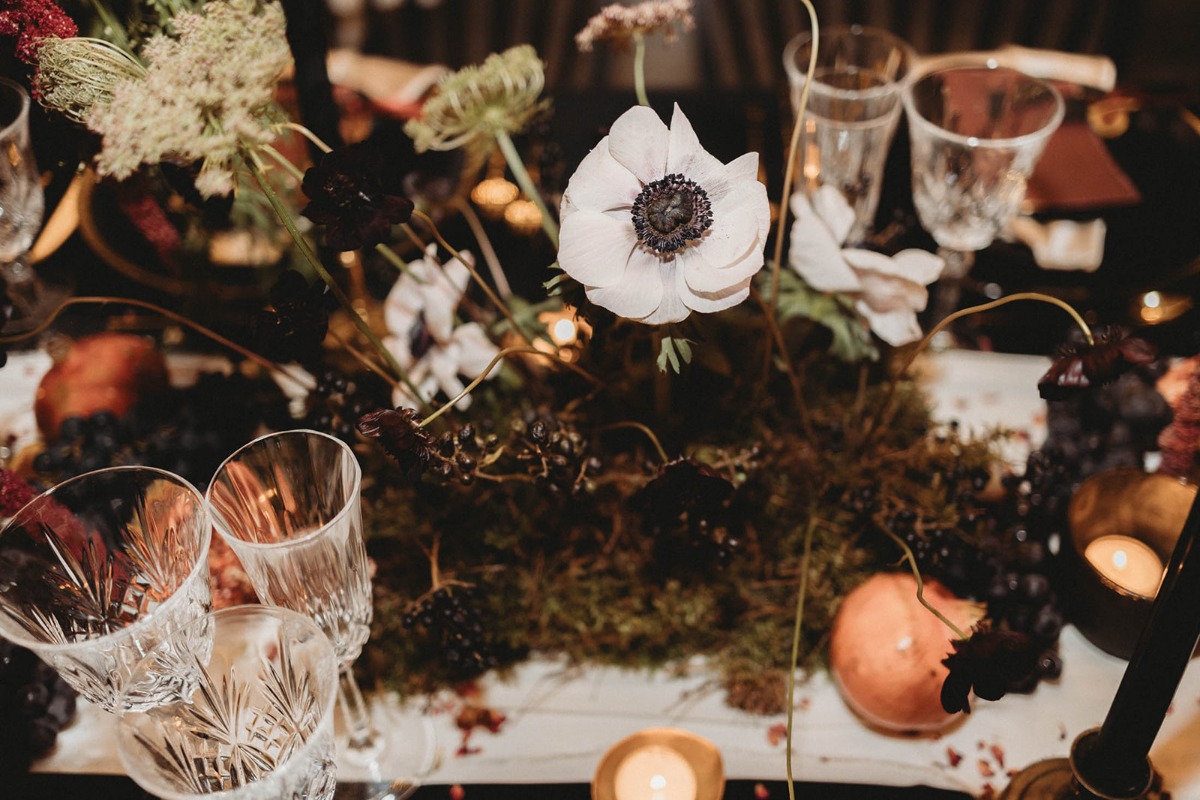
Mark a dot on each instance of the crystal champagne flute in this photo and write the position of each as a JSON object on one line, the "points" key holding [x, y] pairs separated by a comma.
{"points": [[21, 205], [977, 130], [288, 505]]}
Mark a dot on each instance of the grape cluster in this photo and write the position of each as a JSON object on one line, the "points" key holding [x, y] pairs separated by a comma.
{"points": [[338, 400], [1110, 426], [35, 704], [449, 618], [191, 442], [457, 455]]}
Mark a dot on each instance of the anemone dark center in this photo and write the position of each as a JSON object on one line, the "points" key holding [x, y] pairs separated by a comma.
{"points": [[671, 212]]}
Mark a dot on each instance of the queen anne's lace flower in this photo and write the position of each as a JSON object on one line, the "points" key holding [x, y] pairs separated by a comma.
{"points": [[654, 227], [617, 23], [208, 94], [888, 292], [419, 314]]}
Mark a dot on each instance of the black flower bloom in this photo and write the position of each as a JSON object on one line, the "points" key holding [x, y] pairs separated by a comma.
{"points": [[347, 195], [1080, 367], [990, 662], [401, 437], [684, 486], [296, 321]]}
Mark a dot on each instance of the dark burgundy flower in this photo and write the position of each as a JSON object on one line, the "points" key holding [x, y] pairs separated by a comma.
{"points": [[294, 325], [347, 195], [684, 486], [31, 21], [401, 437], [990, 662], [1080, 367]]}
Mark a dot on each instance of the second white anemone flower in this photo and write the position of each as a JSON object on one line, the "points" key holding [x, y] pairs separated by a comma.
{"points": [[655, 227], [887, 291], [419, 315]]}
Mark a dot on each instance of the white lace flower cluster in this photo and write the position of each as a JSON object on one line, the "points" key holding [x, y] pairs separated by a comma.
{"points": [[618, 23], [207, 94], [887, 291], [420, 316], [655, 227]]}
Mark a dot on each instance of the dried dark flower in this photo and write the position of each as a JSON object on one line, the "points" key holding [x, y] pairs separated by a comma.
{"points": [[401, 437], [1080, 367], [684, 486], [31, 21], [347, 195], [294, 325], [990, 662]]}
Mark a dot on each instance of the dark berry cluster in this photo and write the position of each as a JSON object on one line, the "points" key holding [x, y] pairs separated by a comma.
{"points": [[456, 456], [688, 508], [35, 704], [338, 401], [450, 619], [554, 453]]}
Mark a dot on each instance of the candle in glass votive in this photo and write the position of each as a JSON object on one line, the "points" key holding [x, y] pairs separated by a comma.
{"points": [[1125, 561], [655, 773]]}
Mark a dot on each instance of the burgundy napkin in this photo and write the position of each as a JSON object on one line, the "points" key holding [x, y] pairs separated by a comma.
{"points": [[1077, 173]]}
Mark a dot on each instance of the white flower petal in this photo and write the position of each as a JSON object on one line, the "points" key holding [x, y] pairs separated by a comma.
{"points": [[600, 183], [815, 255], [888, 292], [919, 265], [638, 292], [687, 157], [594, 247], [744, 167], [738, 226], [476, 350], [638, 141], [834, 211], [672, 307], [701, 275], [897, 328], [709, 302]]}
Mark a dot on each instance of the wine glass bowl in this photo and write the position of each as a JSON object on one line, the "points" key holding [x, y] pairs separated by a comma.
{"points": [[977, 130], [102, 568], [255, 724], [22, 202]]}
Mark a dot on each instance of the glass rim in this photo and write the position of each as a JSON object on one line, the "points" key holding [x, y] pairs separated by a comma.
{"points": [[23, 112], [941, 66], [282, 615], [797, 77], [236, 541], [176, 597]]}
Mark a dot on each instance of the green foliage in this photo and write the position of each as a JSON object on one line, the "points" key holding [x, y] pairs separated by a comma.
{"points": [[852, 340]]}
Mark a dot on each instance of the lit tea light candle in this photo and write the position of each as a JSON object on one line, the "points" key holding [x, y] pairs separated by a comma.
{"points": [[1125, 561], [655, 773]]}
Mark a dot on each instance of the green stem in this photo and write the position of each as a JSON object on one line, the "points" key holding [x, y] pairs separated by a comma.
{"points": [[912, 563], [639, 67], [470, 387], [306, 250], [303, 381], [513, 158], [796, 631], [500, 305], [789, 175], [662, 454]]}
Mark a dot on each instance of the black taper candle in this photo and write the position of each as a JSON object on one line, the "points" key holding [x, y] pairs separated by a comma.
{"points": [[307, 23], [1113, 762]]}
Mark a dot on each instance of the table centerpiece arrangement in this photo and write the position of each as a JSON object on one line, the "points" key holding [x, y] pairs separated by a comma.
{"points": [[682, 443]]}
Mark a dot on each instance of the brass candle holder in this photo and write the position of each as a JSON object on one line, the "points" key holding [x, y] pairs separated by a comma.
{"points": [[666, 763]]}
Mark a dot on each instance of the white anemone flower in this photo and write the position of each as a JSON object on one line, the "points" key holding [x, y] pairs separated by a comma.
{"points": [[887, 291], [419, 315], [655, 227]]}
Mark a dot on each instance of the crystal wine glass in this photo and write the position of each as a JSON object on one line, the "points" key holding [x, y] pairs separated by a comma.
{"points": [[288, 505], [102, 568], [21, 203], [256, 723], [977, 130]]}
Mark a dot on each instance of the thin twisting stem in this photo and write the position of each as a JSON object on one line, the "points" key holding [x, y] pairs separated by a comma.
{"points": [[513, 158], [796, 630], [662, 454], [916, 571]]}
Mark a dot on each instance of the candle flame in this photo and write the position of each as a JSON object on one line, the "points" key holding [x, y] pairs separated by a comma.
{"points": [[658, 782], [1120, 559]]}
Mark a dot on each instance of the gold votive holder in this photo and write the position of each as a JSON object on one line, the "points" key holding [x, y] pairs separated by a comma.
{"points": [[1123, 526], [660, 763]]}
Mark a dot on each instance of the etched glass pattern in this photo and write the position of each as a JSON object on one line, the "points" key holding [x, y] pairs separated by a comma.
{"points": [[257, 724], [102, 568]]}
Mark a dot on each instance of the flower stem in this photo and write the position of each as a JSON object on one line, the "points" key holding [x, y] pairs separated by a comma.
{"points": [[912, 563], [796, 631], [662, 454], [789, 173], [513, 158], [303, 381], [500, 305], [470, 387], [485, 246], [639, 67], [313, 259], [886, 408]]}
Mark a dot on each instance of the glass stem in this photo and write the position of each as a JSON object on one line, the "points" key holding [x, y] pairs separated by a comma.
{"points": [[363, 736], [948, 290]]}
